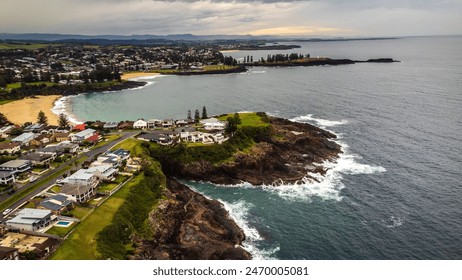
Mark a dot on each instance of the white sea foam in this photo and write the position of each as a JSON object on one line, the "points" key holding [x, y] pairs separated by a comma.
{"points": [[329, 185], [239, 211], [323, 123], [61, 106], [393, 222]]}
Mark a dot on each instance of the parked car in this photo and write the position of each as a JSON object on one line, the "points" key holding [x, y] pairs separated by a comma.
{"points": [[6, 212]]}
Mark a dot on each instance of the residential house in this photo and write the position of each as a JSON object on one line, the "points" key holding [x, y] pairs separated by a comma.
{"points": [[6, 178], [60, 137], [140, 124], [9, 148], [167, 123], [40, 140], [50, 129], [213, 124], [31, 219], [153, 123], [123, 154], [60, 149], [98, 125], [78, 193], [104, 172], [181, 122], [111, 125], [81, 177], [35, 128], [83, 135], [108, 159], [79, 127], [162, 137], [125, 125], [8, 253], [16, 166], [24, 139], [40, 159], [5, 131], [56, 204]]}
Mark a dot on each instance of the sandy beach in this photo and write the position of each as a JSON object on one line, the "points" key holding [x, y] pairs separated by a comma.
{"points": [[26, 110], [134, 75]]}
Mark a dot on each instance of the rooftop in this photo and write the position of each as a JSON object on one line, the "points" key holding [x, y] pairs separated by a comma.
{"points": [[15, 163]]}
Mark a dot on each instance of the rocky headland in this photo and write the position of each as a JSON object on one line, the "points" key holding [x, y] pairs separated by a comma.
{"points": [[188, 226], [287, 155]]}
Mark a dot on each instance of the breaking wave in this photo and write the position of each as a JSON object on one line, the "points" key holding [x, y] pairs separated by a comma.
{"points": [[329, 185], [239, 212], [62, 106]]}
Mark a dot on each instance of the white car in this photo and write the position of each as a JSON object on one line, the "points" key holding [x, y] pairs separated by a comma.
{"points": [[6, 211]]}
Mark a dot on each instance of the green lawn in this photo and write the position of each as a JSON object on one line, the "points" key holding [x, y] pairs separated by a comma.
{"points": [[79, 211], [217, 67], [106, 140], [18, 85], [133, 146], [61, 231], [28, 46], [56, 189], [247, 119], [2, 102], [81, 244]]}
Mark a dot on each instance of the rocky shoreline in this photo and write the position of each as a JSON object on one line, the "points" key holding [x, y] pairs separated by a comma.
{"points": [[293, 151], [188, 226]]}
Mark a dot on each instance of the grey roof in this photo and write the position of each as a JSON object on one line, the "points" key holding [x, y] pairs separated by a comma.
{"points": [[30, 216], [73, 189], [111, 125], [23, 137], [15, 163], [120, 152], [5, 174], [55, 202], [85, 132], [36, 157]]}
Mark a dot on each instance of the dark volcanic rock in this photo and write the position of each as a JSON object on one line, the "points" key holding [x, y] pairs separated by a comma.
{"points": [[286, 157], [187, 225]]}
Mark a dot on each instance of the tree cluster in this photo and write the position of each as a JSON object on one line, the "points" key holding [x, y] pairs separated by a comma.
{"points": [[285, 57]]}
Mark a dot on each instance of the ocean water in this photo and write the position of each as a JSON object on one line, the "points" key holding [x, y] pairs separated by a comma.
{"points": [[396, 191]]}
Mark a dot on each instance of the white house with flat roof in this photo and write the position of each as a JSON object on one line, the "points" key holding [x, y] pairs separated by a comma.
{"points": [[24, 139], [31, 219], [103, 171], [16, 166], [213, 124], [81, 177], [78, 193], [6, 177], [83, 135]]}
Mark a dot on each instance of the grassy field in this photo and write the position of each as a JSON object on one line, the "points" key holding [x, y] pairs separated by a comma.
{"points": [[81, 243], [79, 212], [61, 231], [217, 67], [133, 146], [247, 119], [5, 46], [107, 139], [18, 85]]}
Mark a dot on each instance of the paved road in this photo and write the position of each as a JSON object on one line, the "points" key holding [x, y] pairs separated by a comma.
{"points": [[90, 154]]}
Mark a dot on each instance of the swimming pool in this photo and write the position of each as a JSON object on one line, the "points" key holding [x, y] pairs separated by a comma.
{"points": [[63, 223]]}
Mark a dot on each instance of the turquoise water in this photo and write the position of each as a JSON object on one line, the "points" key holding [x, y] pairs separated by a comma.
{"points": [[394, 194]]}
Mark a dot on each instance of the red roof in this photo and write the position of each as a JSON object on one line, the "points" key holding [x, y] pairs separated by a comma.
{"points": [[80, 127], [93, 138]]}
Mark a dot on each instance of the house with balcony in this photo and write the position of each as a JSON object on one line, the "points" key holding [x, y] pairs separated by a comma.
{"points": [[24, 139], [104, 172], [83, 135], [16, 166], [9, 148], [7, 178], [31, 219]]}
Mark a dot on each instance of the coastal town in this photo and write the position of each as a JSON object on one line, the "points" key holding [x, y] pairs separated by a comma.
{"points": [[50, 175]]}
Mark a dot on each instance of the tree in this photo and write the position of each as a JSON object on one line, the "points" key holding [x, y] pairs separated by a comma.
{"points": [[189, 115], [3, 120], [197, 116], [237, 119], [231, 127], [204, 113], [41, 118], [63, 120]]}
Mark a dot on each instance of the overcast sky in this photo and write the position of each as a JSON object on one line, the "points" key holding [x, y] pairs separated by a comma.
{"points": [[256, 17]]}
